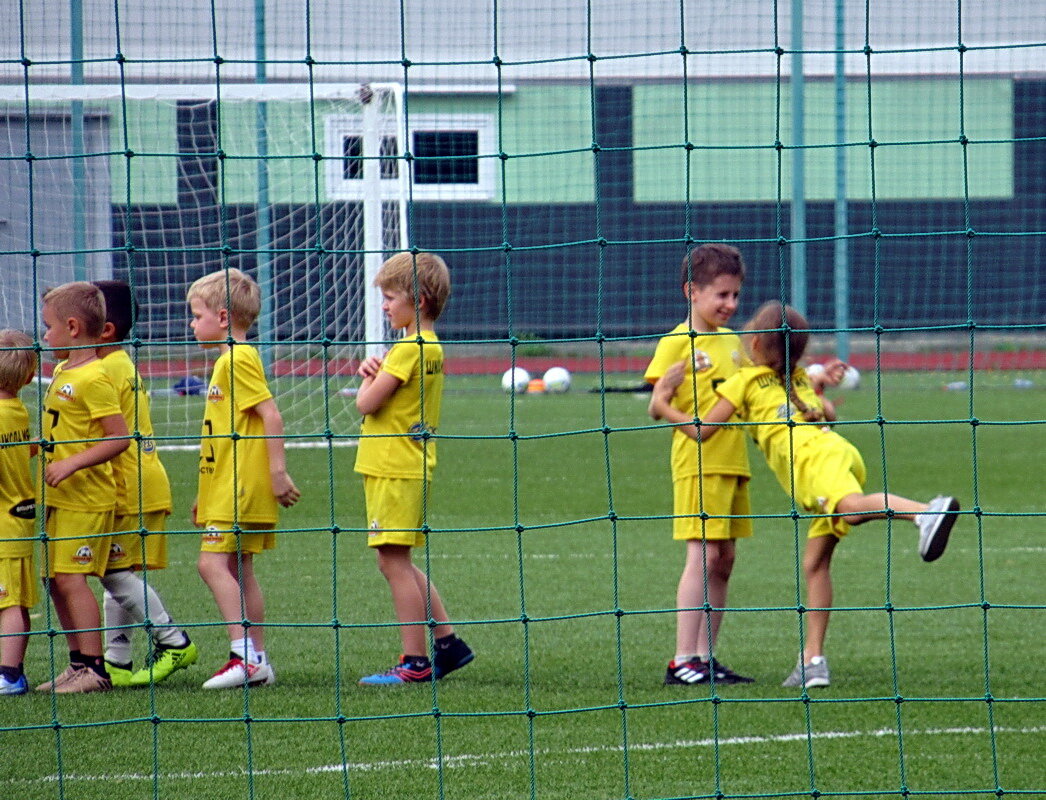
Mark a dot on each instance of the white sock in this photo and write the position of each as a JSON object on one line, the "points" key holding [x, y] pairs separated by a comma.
{"points": [[134, 596], [260, 657], [682, 658], [117, 642], [243, 648]]}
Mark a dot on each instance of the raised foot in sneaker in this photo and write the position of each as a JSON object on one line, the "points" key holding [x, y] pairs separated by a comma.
{"points": [[404, 672], [237, 672], [166, 662], [935, 525], [813, 674], [454, 656], [19, 686]]}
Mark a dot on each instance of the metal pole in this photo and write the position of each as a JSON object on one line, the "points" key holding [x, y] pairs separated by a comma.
{"points": [[842, 227], [263, 234], [798, 220], [79, 168]]}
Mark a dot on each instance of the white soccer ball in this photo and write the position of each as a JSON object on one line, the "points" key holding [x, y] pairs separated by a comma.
{"points": [[851, 379], [557, 380], [515, 380]]}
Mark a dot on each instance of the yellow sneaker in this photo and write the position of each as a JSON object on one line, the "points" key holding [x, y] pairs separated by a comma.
{"points": [[119, 676], [166, 663]]}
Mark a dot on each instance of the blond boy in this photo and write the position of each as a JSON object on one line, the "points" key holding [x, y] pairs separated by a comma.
{"points": [[17, 510], [83, 431], [243, 471], [400, 397]]}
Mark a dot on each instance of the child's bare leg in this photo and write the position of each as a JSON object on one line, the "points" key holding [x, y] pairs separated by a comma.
{"points": [[864, 507], [817, 561], [431, 597], [713, 558], [407, 599], [78, 612], [14, 624], [253, 601], [221, 574]]}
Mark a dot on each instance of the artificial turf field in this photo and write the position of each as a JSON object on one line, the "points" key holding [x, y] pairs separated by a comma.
{"points": [[938, 677]]}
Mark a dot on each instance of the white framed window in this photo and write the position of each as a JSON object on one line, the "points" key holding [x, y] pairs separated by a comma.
{"points": [[447, 163]]}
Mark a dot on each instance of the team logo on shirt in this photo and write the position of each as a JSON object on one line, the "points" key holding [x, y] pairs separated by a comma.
{"points": [[85, 555], [214, 393], [148, 446], [702, 361], [66, 392], [418, 431], [784, 411]]}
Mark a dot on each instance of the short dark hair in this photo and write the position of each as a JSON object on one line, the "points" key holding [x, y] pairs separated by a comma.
{"points": [[120, 306], [704, 264]]}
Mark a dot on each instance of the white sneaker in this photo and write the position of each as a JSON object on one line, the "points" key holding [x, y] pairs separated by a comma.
{"points": [[813, 674], [236, 672], [935, 524]]}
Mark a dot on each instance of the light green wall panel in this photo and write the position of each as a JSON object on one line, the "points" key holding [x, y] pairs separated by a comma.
{"points": [[734, 127], [151, 132]]}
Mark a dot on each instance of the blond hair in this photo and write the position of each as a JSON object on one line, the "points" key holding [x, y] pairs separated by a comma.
{"points": [[79, 300], [231, 289], [433, 279], [17, 360]]}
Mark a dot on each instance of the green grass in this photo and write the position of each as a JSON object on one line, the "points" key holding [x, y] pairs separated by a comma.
{"points": [[572, 625]]}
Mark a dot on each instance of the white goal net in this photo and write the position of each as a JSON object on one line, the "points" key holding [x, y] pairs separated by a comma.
{"points": [[301, 186]]}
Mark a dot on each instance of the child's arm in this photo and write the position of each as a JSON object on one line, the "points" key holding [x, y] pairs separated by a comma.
{"points": [[377, 386], [117, 440], [664, 390], [283, 488], [661, 406]]}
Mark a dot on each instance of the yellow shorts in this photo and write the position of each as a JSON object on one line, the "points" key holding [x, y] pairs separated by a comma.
{"points": [[18, 583], [394, 511], [218, 537], [827, 472], [125, 550], [724, 497], [78, 542]]}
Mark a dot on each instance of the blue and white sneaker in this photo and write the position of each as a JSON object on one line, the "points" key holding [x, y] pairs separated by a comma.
{"points": [[407, 671], [20, 686]]}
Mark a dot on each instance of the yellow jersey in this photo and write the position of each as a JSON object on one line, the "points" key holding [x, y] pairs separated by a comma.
{"points": [[139, 464], [76, 402], [715, 356], [393, 443], [759, 397], [234, 473], [17, 498]]}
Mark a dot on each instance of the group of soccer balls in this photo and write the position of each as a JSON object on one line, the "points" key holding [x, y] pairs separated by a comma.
{"points": [[556, 380]]}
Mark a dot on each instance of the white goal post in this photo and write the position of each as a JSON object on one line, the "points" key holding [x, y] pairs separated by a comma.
{"points": [[302, 185]]}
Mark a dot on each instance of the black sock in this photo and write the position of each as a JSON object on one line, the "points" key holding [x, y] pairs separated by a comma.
{"points": [[96, 664], [11, 674], [421, 662], [443, 642], [77, 659]]}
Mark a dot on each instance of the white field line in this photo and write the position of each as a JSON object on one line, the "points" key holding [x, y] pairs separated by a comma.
{"points": [[480, 759]]}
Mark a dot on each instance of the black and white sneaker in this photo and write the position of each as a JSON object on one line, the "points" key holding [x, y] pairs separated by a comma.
{"points": [[935, 525], [697, 671]]}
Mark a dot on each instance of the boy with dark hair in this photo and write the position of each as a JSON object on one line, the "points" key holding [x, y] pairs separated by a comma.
{"points": [[143, 502], [710, 484]]}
